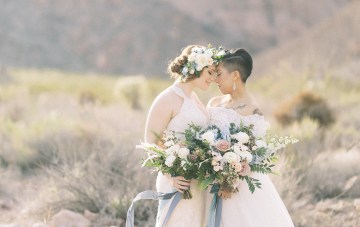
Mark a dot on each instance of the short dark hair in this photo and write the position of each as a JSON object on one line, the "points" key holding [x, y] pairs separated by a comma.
{"points": [[238, 60]]}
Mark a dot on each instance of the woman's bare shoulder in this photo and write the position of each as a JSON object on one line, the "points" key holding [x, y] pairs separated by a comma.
{"points": [[167, 97]]}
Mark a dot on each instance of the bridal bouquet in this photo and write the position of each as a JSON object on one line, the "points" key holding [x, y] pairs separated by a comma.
{"points": [[233, 157], [180, 154]]}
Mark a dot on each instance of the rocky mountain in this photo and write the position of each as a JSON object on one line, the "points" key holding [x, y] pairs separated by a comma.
{"points": [[135, 36], [332, 45]]}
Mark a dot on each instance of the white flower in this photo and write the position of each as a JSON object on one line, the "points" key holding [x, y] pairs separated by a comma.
{"points": [[261, 143], [260, 127], [220, 53], [209, 52], [245, 155], [241, 137], [169, 143], [183, 152], [199, 67], [209, 136], [231, 157], [170, 160], [216, 168], [238, 148], [192, 71], [191, 57], [172, 150], [210, 61], [201, 61]]}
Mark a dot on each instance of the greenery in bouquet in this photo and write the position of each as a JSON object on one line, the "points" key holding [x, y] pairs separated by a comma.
{"points": [[178, 156], [231, 158]]}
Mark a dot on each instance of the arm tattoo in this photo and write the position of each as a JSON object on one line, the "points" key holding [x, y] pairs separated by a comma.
{"points": [[239, 106], [257, 111]]}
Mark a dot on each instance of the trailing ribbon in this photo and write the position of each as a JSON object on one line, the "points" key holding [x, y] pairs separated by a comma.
{"points": [[215, 208], [154, 196]]}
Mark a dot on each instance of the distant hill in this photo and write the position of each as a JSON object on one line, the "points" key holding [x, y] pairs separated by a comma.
{"points": [[332, 45], [131, 37]]}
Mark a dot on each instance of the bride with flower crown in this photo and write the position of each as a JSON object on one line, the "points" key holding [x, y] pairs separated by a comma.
{"points": [[263, 208], [174, 109]]}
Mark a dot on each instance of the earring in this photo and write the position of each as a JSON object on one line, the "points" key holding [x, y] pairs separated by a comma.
{"points": [[234, 86]]}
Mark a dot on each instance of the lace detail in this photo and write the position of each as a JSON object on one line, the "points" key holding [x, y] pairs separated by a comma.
{"points": [[222, 117], [243, 208]]}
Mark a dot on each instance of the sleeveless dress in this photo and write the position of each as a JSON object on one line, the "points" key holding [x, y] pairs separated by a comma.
{"points": [[190, 212], [264, 207]]}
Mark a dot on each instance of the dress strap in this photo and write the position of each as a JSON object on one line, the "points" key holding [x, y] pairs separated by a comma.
{"points": [[178, 91]]}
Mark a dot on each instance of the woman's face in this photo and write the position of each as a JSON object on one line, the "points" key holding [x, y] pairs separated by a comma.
{"points": [[204, 81], [224, 79]]}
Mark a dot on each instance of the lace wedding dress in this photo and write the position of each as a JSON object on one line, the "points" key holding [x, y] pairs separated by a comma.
{"points": [[189, 212], [263, 208]]}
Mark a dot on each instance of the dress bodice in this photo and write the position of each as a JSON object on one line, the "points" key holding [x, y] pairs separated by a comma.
{"points": [[190, 112], [222, 118]]}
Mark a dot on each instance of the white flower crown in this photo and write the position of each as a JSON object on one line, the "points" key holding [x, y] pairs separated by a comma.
{"points": [[199, 58]]}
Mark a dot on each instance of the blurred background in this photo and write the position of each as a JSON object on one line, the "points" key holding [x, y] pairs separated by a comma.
{"points": [[77, 79]]}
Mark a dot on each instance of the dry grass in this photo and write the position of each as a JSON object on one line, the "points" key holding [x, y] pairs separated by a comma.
{"points": [[72, 146]]}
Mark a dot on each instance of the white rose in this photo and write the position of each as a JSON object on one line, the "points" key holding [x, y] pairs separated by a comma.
{"points": [[231, 157], [261, 143], [183, 152], [216, 168], [245, 155], [199, 67], [191, 57], [241, 137], [210, 61], [201, 60], [172, 150], [209, 136], [170, 160]]}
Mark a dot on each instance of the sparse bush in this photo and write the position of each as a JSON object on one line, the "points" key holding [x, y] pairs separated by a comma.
{"points": [[96, 173], [131, 88], [87, 97], [330, 174], [305, 104]]}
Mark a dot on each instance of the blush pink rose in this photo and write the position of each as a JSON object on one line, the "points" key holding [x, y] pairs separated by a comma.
{"points": [[222, 145], [245, 169]]}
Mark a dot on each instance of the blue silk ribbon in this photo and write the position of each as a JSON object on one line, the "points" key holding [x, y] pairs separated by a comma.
{"points": [[154, 196], [214, 218]]}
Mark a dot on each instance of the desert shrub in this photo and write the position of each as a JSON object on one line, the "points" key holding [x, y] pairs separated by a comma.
{"points": [[94, 172], [87, 97], [305, 104], [335, 174], [132, 89]]}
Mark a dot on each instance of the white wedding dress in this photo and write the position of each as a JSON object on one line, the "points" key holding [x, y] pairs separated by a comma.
{"points": [[190, 212], [263, 208]]}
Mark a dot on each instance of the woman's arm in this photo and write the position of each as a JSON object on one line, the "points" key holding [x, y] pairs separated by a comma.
{"points": [[159, 116]]}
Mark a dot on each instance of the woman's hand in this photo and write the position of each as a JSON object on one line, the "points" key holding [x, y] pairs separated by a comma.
{"points": [[180, 183]]}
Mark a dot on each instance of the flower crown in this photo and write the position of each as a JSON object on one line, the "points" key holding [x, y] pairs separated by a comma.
{"points": [[199, 58]]}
